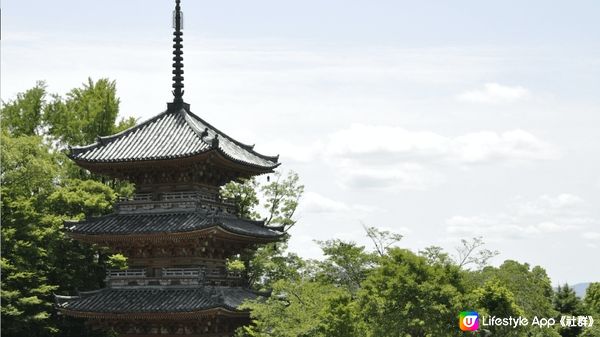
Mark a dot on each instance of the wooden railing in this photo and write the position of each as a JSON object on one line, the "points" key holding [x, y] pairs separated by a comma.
{"points": [[127, 273], [181, 272]]}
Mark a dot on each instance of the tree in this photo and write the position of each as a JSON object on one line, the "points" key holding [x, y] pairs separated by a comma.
{"points": [[472, 253], [531, 287], [294, 309], [27, 176], [243, 195], [592, 298], [382, 239], [494, 299], [567, 303], [85, 113], [280, 197], [38, 193], [405, 296], [346, 264], [23, 116], [593, 331]]}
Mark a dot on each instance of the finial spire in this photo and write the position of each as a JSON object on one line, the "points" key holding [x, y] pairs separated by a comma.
{"points": [[178, 54]]}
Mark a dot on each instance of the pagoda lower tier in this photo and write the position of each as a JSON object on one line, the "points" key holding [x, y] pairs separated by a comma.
{"points": [[161, 311]]}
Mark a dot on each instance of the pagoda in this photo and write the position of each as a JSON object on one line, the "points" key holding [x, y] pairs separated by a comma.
{"points": [[176, 230]]}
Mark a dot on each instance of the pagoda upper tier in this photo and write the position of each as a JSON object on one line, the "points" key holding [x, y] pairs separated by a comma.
{"points": [[175, 145]]}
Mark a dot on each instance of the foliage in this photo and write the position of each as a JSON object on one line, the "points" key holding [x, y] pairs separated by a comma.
{"points": [[567, 303], [592, 298], [40, 189], [345, 265], [26, 290], [281, 199], [268, 263], [473, 253], [406, 296], [85, 113], [22, 116], [382, 239], [295, 309], [243, 196], [593, 331], [494, 299], [117, 261], [531, 287]]}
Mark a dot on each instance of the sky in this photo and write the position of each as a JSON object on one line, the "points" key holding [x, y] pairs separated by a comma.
{"points": [[438, 120]]}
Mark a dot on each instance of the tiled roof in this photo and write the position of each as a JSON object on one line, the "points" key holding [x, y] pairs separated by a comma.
{"points": [[170, 222], [155, 300], [169, 135]]}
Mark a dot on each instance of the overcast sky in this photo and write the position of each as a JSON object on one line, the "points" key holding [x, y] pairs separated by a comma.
{"points": [[440, 120]]}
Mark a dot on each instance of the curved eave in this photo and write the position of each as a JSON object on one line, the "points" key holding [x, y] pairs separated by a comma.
{"points": [[199, 155], [217, 230], [183, 315]]}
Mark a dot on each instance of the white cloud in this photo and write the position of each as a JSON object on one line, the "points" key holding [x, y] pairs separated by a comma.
{"points": [[409, 176], [544, 215], [385, 144], [494, 93], [487, 146], [591, 235], [367, 156], [315, 203], [551, 205]]}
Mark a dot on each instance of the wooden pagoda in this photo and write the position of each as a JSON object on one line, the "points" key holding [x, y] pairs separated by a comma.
{"points": [[176, 231]]}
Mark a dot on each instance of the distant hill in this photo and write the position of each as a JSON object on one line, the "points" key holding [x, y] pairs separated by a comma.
{"points": [[580, 288]]}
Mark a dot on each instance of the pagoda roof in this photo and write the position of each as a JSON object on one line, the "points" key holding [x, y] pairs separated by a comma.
{"points": [[171, 222], [175, 133], [155, 300]]}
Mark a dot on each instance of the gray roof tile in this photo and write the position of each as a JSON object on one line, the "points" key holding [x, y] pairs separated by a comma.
{"points": [[169, 222], [152, 300], [171, 134]]}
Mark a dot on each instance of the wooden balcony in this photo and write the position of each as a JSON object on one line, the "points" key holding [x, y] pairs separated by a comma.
{"points": [[146, 202], [193, 276]]}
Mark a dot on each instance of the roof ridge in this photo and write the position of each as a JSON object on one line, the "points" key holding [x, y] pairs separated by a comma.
{"points": [[247, 147], [200, 134]]}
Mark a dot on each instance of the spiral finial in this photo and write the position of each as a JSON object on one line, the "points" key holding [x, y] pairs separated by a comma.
{"points": [[178, 54]]}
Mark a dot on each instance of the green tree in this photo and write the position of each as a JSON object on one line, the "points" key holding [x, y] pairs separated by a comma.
{"points": [[346, 264], [382, 239], [37, 195], [23, 116], [406, 296], [85, 113], [567, 303], [243, 196], [593, 331], [531, 287], [296, 308], [280, 197], [592, 298], [27, 177], [494, 299]]}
